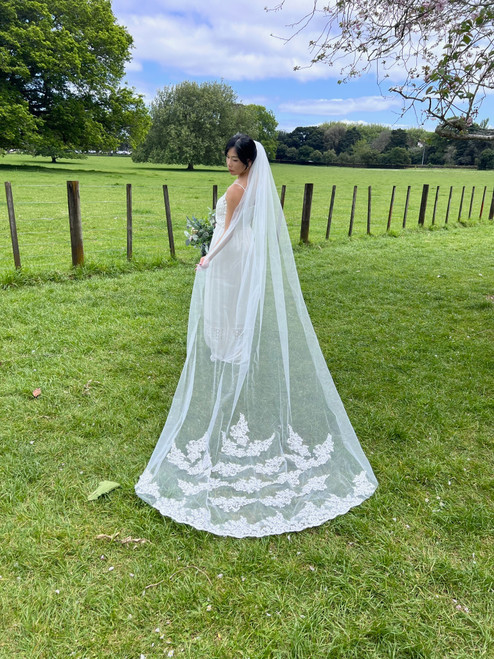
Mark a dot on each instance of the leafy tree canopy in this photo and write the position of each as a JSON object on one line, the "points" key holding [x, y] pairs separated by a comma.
{"points": [[61, 63], [260, 124], [444, 49], [191, 123]]}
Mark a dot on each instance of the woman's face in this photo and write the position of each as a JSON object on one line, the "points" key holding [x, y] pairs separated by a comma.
{"points": [[234, 164]]}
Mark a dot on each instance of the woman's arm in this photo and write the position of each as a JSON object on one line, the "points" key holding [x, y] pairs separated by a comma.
{"points": [[234, 195]]}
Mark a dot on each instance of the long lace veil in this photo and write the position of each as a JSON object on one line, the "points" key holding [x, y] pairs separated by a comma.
{"points": [[257, 440]]}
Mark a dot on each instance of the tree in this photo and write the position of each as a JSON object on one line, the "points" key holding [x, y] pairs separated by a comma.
{"points": [[467, 153], [260, 124], [292, 153], [486, 159], [333, 134], [305, 153], [351, 137], [191, 124], [329, 157], [316, 156], [398, 156], [398, 137], [364, 154], [444, 49], [61, 63]]}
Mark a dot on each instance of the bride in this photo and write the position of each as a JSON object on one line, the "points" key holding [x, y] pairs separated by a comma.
{"points": [[257, 441]]}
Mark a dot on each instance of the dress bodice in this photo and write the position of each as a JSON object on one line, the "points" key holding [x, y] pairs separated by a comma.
{"points": [[220, 214]]}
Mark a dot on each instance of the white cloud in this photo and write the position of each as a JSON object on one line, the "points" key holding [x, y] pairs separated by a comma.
{"points": [[334, 107], [217, 39], [134, 65]]}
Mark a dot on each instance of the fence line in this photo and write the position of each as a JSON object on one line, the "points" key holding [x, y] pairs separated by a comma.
{"points": [[75, 216]]}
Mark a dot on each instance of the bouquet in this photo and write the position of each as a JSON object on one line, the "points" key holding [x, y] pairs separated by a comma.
{"points": [[200, 232]]}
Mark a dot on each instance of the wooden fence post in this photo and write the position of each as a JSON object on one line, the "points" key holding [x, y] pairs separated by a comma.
{"points": [[482, 204], [491, 209], [435, 206], [423, 204], [471, 203], [129, 221], [369, 209], [390, 214], [449, 204], [13, 226], [215, 196], [282, 197], [352, 215], [304, 227], [169, 221], [406, 207], [461, 202], [330, 214], [75, 223]]}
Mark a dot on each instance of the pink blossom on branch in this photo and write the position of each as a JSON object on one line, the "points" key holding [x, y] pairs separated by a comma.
{"points": [[444, 50]]}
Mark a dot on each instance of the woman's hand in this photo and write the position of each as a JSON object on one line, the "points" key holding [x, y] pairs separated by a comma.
{"points": [[203, 263]]}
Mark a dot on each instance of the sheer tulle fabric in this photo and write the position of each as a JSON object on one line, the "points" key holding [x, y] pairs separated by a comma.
{"points": [[257, 441]]}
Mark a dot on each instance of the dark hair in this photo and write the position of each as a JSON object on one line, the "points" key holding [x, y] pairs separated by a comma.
{"points": [[244, 146]]}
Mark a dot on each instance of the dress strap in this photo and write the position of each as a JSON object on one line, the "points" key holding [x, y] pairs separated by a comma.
{"points": [[244, 189]]}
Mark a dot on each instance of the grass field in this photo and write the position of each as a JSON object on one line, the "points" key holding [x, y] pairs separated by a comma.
{"points": [[406, 325], [40, 199]]}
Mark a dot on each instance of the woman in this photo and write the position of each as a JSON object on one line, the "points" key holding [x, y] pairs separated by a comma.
{"points": [[257, 441]]}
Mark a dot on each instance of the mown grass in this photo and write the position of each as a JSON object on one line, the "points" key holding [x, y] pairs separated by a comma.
{"points": [[406, 326], [40, 200]]}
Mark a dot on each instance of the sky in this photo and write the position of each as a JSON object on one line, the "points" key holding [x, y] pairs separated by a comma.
{"points": [[246, 47]]}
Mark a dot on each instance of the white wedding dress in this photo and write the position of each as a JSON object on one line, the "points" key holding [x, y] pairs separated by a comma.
{"points": [[257, 441]]}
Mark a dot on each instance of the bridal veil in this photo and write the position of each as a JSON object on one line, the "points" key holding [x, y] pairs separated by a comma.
{"points": [[257, 441]]}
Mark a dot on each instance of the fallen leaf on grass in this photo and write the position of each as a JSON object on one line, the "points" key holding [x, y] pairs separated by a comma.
{"points": [[129, 540], [103, 488], [124, 541], [37, 393]]}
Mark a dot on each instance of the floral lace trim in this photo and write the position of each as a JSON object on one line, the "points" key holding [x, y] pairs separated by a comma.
{"points": [[269, 467], [221, 213], [308, 516], [251, 497], [196, 460]]}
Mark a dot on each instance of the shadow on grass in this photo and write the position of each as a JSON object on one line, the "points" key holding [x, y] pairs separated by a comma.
{"points": [[64, 168], [56, 168], [26, 277]]}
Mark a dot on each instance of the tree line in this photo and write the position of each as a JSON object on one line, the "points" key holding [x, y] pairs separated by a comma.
{"points": [[374, 145], [191, 122]]}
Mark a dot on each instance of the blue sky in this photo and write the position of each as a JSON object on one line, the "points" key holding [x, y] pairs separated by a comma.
{"points": [[206, 40]]}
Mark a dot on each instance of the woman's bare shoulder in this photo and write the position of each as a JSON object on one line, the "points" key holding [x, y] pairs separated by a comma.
{"points": [[234, 194]]}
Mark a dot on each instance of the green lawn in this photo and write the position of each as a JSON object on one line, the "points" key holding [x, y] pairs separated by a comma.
{"points": [[406, 325], [40, 200]]}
